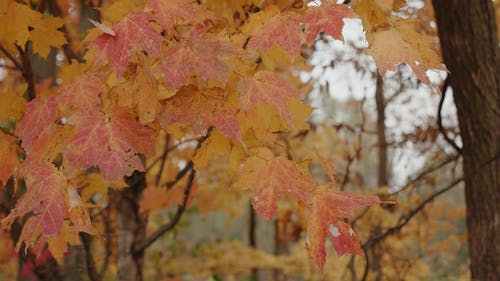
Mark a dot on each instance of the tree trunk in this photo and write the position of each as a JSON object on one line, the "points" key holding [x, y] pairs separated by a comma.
{"points": [[131, 228], [469, 43], [375, 253]]}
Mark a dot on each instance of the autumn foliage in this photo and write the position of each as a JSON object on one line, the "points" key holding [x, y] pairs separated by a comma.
{"points": [[210, 80]]}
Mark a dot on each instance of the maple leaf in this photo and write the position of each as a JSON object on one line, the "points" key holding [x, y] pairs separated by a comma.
{"points": [[209, 107], [109, 140], [19, 17], [12, 104], [139, 91], [80, 93], [156, 198], [403, 44], [132, 34], [25, 24], [8, 154], [205, 57], [374, 13], [324, 211], [42, 112], [282, 30], [327, 18], [268, 177], [167, 12], [46, 35], [46, 198], [266, 87]]}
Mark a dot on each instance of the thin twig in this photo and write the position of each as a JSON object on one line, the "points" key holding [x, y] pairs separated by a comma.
{"points": [[180, 175], [27, 69], [426, 172], [405, 219], [11, 58], [345, 180], [163, 160], [142, 245], [440, 119]]}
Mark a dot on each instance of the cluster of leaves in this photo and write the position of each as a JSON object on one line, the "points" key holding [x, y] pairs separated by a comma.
{"points": [[187, 68]]}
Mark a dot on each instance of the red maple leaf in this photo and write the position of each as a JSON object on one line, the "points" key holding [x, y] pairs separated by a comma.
{"points": [[269, 177], [324, 211], [109, 140], [327, 18], [46, 198], [210, 107], [167, 12], [282, 30], [40, 113], [132, 34], [204, 57], [266, 87], [81, 93]]}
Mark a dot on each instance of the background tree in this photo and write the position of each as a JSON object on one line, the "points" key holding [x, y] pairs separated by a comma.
{"points": [[468, 34], [126, 164]]}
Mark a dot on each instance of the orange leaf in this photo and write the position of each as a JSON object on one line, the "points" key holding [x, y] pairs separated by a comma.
{"points": [[8, 154], [266, 87], [324, 211], [133, 34], [282, 30], [268, 177], [80, 93], [402, 44], [40, 113], [46, 197], [205, 57], [110, 141], [210, 107], [327, 18]]}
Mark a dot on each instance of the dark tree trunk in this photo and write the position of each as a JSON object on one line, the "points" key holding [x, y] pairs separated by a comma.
{"points": [[469, 43], [375, 253], [252, 238], [131, 228]]}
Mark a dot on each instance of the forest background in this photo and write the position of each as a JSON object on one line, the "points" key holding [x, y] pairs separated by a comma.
{"points": [[226, 140]]}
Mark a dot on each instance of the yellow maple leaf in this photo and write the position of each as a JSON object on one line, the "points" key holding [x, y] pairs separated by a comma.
{"points": [[46, 35], [19, 18], [12, 103], [139, 91], [27, 24]]}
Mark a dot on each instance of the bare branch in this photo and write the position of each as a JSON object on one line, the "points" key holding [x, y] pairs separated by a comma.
{"points": [[426, 172], [405, 219], [11, 58], [163, 160], [440, 119], [27, 69], [142, 245], [345, 180]]}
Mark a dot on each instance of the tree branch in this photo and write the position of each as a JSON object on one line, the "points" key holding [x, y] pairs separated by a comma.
{"points": [[163, 160], [426, 172], [440, 119], [89, 259], [11, 58], [345, 180], [142, 245], [27, 69], [68, 52], [180, 175], [405, 219]]}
